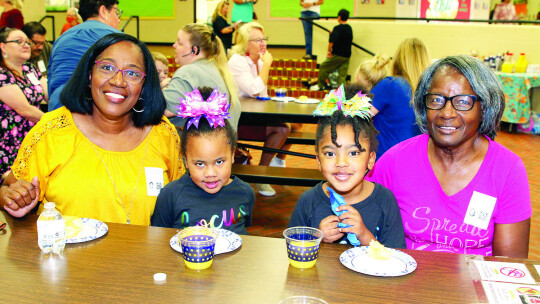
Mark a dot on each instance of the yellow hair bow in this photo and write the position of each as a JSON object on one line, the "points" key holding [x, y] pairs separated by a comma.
{"points": [[359, 105]]}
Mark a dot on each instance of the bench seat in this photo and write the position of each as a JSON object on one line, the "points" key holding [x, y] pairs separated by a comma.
{"points": [[277, 175]]}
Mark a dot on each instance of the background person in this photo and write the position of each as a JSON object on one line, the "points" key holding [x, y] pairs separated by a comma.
{"points": [[310, 9], [22, 89], [394, 116], [338, 55], [101, 17], [505, 11], [203, 62], [41, 48], [96, 156], [458, 190], [162, 66], [243, 11], [250, 65], [222, 28], [72, 18], [12, 16]]}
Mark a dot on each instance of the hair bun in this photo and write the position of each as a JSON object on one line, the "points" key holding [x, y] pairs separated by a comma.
{"points": [[381, 60]]}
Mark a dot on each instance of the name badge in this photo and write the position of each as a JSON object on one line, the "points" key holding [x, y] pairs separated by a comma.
{"points": [[41, 66], [154, 180], [33, 79], [480, 210]]}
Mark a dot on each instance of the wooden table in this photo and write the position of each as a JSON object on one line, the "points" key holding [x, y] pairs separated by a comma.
{"points": [[256, 112], [119, 268]]}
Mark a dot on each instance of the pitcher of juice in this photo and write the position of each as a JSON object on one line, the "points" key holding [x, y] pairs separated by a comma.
{"points": [[508, 65]]}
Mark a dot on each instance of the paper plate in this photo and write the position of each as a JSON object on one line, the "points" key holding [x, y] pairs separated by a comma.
{"points": [[92, 229], [283, 99], [309, 100], [226, 242], [358, 260]]}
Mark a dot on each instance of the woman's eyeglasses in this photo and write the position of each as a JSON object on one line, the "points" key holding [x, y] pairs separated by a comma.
{"points": [[462, 102], [110, 70], [259, 40], [119, 12], [21, 42]]}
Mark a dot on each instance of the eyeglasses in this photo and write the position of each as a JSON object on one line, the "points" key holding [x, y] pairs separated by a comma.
{"points": [[21, 42], [462, 102], [109, 70], [37, 43], [119, 12], [259, 40]]}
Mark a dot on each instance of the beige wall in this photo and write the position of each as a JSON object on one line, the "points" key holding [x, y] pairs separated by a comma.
{"points": [[442, 39]]}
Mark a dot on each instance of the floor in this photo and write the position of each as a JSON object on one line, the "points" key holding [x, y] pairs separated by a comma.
{"points": [[271, 214]]}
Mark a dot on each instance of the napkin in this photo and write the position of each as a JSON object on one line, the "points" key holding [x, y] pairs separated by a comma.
{"points": [[337, 200]]}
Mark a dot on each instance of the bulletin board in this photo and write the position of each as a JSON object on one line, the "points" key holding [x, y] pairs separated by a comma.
{"points": [[292, 8], [148, 9]]}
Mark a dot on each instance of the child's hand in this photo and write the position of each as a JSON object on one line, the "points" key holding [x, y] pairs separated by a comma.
{"points": [[329, 227], [353, 218]]}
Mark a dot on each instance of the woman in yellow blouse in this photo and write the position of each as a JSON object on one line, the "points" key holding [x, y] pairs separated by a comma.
{"points": [[109, 150]]}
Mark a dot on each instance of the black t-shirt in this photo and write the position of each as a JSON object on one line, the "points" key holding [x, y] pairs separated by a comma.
{"points": [[342, 37], [220, 24], [182, 204], [379, 211]]}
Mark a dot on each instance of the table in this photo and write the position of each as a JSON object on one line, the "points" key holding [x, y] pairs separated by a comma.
{"points": [[256, 112], [516, 92], [119, 267]]}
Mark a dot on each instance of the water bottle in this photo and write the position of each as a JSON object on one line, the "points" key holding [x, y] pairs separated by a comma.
{"points": [[51, 230]]}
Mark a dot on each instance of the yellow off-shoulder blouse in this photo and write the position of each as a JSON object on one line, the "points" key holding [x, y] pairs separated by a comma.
{"points": [[72, 175]]}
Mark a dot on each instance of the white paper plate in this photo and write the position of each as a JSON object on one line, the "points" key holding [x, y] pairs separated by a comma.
{"points": [[226, 242], [358, 260], [92, 229], [309, 100], [284, 99]]}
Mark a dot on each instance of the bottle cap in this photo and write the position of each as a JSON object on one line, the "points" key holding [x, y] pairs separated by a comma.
{"points": [[160, 277], [49, 205]]}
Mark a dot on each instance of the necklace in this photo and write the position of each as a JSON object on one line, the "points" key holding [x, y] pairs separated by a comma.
{"points": [[114, 185]]}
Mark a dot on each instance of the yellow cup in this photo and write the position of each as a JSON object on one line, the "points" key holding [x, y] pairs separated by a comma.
{"points": [[198, 245], [303, 245]]}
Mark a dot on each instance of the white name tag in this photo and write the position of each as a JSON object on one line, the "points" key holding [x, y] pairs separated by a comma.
{"points": [[41, 66], [154, 180], [33, 79], [480, 210]]}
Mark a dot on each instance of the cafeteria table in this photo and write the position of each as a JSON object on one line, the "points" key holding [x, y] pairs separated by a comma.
{"points": [[257, 112], [119, 268], [516, 88]]}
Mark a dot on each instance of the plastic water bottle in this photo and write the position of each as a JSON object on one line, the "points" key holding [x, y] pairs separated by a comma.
{"points": [[51, 230]]}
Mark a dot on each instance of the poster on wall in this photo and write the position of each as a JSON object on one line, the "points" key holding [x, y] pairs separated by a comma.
{"points": [[57, 5], [445, 9]]}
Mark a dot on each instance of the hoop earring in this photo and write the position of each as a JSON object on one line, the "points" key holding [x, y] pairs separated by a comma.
{"points": [[139, 111]]}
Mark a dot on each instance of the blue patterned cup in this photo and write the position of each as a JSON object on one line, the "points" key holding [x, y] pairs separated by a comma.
{"points": [[303, 245], [198, 245], [281, 92]]}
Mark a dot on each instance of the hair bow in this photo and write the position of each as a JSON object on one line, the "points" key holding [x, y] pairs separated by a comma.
{"points": [[214, 109], [359, 105]]}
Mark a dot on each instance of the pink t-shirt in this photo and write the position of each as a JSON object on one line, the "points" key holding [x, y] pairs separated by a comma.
{"points": [[434, 221]]}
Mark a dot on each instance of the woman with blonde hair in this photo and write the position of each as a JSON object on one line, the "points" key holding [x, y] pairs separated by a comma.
{"points": [[394, 117], [11, 16], [222, 28], [250, 65], [203, 62]]}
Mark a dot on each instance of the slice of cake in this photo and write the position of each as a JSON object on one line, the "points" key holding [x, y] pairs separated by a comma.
{"points": [[74, 225], [377, 251]]}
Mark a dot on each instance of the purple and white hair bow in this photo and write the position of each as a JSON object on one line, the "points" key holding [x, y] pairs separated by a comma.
{"points": [[215, 109]]}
